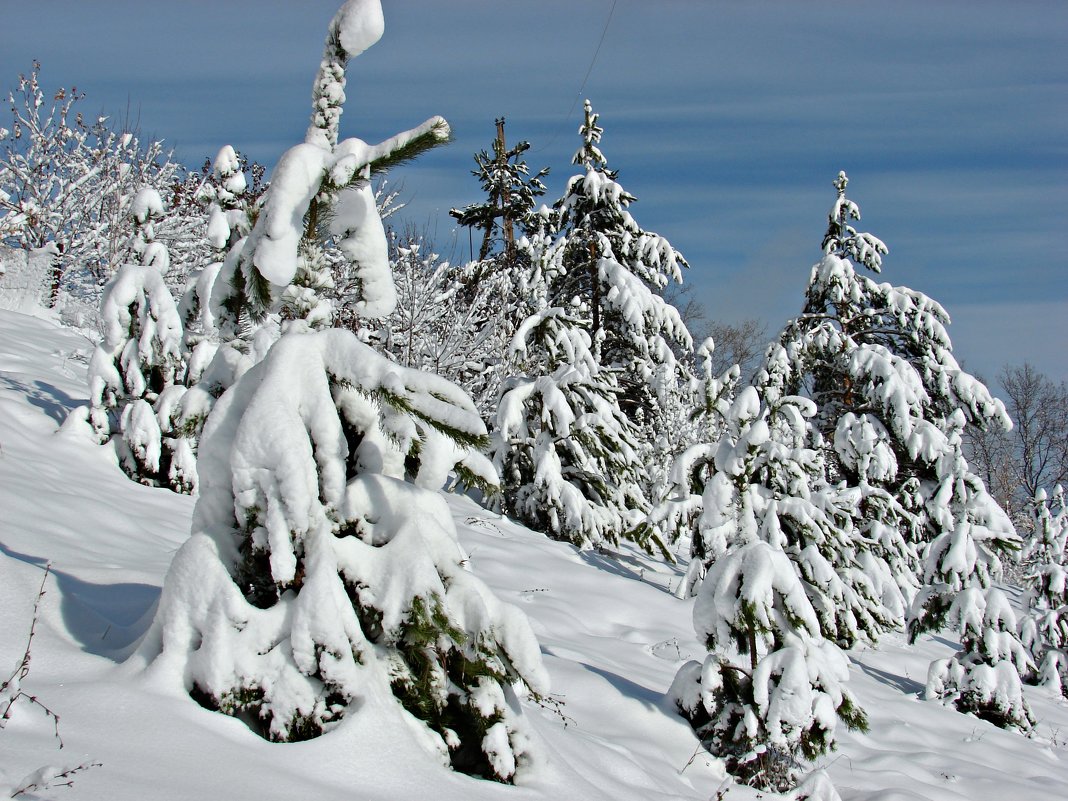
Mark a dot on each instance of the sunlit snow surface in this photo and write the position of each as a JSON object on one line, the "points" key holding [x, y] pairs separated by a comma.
{"points": [[612, 634]]}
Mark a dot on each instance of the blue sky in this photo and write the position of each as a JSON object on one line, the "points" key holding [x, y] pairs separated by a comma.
{"points": [[728, 120]]}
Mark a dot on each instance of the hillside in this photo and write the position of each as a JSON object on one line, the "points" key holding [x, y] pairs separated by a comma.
{"points": [[611, 632]]}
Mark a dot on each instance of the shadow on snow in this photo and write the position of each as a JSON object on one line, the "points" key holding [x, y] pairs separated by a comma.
{"points": [[104, 619]]}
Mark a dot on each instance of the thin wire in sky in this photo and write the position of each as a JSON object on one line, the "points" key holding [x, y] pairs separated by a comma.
{"points": [[589, 71]]}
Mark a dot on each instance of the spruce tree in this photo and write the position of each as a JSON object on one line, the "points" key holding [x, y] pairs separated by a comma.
{"points": [[616, 272], [878, 363], [135, 372], [596, 389], [323, 577], [771, 689], [1045, 629], [566, 453]]}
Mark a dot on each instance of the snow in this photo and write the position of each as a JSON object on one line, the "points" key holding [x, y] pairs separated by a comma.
{"points": [[612, 638], [359, 25], [147, 204]]}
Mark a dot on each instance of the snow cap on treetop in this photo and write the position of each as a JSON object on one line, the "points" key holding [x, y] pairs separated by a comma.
{"points": [[358, 25]]}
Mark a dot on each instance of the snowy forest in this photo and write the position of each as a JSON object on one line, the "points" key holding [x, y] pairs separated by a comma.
{"points": [[289, 493]]}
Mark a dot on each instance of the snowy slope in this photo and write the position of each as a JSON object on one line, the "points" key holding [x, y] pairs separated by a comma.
{"points": [[612, 634]]}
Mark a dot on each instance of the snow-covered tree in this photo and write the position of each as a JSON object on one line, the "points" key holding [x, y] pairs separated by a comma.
{"points": [[566, 452], [594, 372], [984, 676], [617, 272], [324, 572], [275, 272], [488, 291], [679, 490], [320, 189], [771, 690], [324, 579], [890, 400], [136, 370], [451, 320], [224, 194], [68, 184], [1045, 629]]}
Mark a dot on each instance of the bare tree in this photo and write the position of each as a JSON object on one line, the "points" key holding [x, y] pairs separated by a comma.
{"points": [[1034, 455], [740, 343], [1039, 410]]}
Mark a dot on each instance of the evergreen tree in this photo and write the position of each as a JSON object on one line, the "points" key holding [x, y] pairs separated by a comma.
{"points": [[679, 502], [488, 292], [323, 577], [878, 363], [617, 273], [135, 372], [566, 453], [511, 195], [770, 691], [1045, 629], [323, 184], [225, 194], [594, 374]]}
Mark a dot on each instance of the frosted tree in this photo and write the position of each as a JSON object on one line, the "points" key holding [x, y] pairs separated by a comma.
{"points": [[891, 404], [617, 272], [451, 320], [1045, 629], [771, 690], [566, 452], [593, 365], [224, 195], [67, 184], [878, 363], [135, 372], [323, 579]]}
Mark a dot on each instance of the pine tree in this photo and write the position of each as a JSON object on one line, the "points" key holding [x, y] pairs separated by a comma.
{"points": [[323, 578], [617, 273], [679, 506], [488, 291], [511, 195], [770, 691], [594, 372], [324, 183], [135, 372]]}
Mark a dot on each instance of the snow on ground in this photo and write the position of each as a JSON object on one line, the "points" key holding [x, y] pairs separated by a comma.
{"points": [[612, 633]]}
